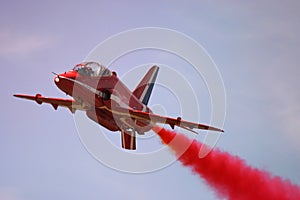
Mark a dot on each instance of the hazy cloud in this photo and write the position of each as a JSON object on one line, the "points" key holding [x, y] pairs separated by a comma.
{"points": [[285, 105], [7, 193], [16, 43]]}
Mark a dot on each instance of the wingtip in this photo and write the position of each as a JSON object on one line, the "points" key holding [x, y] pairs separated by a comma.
{"points": [[221, 130], [20, 95], [216, 129]]}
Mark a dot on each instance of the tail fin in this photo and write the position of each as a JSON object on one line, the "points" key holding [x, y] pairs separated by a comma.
{"points": [[144, 88]]}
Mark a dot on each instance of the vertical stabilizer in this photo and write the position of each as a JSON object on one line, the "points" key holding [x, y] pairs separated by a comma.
{"points": [[145, 87]]}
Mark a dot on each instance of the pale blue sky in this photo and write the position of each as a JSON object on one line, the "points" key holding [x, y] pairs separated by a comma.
{"points": [[255, 45]]}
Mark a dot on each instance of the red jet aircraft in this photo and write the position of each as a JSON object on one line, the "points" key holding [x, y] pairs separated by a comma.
{"points": [[107, 101]]}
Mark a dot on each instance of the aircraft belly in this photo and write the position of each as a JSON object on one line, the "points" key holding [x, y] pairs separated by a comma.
{"points": [[102, 118]]}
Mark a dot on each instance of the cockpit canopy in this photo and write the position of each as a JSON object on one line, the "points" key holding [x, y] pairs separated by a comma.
{"points": [[93, 69]]}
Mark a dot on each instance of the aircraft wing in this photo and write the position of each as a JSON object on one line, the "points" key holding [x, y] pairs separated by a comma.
{"points": [[154, 118], [71, 104]]}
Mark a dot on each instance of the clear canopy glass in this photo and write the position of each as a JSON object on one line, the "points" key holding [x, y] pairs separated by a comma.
{"points": [[92, 69]]}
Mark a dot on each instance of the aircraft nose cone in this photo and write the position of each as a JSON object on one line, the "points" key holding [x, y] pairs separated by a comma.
{"points": [[56, 79], [65, 81]]}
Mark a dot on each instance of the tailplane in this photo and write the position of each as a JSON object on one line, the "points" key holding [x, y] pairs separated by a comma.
{"points": [[145, 87]]}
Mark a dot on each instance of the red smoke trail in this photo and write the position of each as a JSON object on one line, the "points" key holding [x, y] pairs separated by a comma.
{"points": [[228, 175]]}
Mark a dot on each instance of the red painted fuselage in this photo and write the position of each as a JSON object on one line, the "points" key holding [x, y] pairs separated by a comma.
{"points": [[105, 95]]}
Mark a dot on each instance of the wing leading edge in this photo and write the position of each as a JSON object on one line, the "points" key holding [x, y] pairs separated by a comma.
{"points": [[154, 118], [71, 104]]}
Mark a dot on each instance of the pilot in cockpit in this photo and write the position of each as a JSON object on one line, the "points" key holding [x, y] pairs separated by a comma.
{"points": [[92, 69]]}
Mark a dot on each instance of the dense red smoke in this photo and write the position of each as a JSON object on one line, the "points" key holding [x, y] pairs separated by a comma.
{"points": [[228, 175]]}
